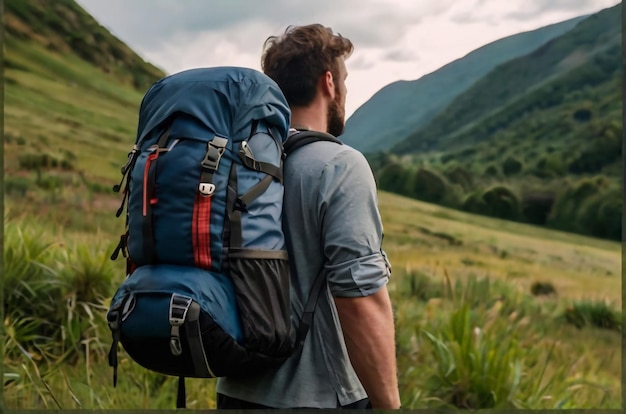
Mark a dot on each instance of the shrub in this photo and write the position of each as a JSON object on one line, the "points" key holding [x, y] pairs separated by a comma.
{"points": [[393, 178], [429, 185], [461, 176], [501, 202], [492, 171], [582, 115], [551, 165], [16, 185], [536, 207], [542, 288], [511, 166], [474, 203], [601, 215], [38, 161], [590, 206], [593, 313]]}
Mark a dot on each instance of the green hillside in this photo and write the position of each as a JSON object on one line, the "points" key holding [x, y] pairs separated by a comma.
{"points": [[592, 49], [402, 107], [72, 92], [537, 140], [63, 27]]}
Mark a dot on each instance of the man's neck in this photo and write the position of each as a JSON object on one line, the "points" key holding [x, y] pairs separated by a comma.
{"points": [[309, 117]]}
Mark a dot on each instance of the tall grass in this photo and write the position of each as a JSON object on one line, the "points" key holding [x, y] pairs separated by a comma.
{"points": [[483, 344], [463, 340]]}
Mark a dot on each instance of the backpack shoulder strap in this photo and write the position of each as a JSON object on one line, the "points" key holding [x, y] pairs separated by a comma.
{"points": [[305, 137], [295, 141]]}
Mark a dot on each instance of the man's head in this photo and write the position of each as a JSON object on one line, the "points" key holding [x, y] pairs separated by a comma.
{"points": [[305, 59]]}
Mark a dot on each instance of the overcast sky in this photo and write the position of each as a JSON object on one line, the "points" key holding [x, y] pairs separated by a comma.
{"points": [[394, 39]]}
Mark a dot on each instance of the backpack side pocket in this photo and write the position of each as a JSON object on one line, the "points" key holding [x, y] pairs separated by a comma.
{"points": [[261, 280]]}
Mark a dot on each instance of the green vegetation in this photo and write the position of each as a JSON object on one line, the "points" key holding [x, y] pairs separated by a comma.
{"points": [[471, 330], [490, 313], [585, 58], [63, 27], [522, 141]]}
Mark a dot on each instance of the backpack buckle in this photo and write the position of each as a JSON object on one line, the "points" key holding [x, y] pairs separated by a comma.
{"points": [[206, 189], [215, 150], [179, 306]]}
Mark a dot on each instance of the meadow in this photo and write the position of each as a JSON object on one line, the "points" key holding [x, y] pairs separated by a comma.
{"points": [[489, 313]]}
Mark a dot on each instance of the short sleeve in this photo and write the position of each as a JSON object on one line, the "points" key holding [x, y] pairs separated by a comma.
{"points": [[352, 231]]}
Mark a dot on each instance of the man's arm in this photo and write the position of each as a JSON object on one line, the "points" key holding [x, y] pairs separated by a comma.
{"points": [[357, 273], [367, 324]]}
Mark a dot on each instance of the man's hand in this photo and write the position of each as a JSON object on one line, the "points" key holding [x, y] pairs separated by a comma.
{"points": [[367, 324]]}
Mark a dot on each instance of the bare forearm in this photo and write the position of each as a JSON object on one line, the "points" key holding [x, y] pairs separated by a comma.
{"points": [[367, 325]]}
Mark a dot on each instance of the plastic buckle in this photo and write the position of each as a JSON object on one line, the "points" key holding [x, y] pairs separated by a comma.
{"points": [[206, 189], [179, 305], [113, 319], [175, 345], [215, 150]]}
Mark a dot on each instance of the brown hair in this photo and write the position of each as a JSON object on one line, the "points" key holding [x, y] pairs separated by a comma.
{"points": [[297, 59]]}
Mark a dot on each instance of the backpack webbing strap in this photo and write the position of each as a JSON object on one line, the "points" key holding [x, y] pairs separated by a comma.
{"points": [[309, 309], [265, 167], [194, 339], [149, 197], [114, 317], [201, 231], [240, 206], [181, 397], [231, 196], [211, 162]]}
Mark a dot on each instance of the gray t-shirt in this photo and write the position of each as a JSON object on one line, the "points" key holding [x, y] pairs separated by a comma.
{"points": [[333, 226]]}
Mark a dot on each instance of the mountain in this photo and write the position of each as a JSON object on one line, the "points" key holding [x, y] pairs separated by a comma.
{"points": [[538, 139], [570, 64], [72, 92], [404, 106]]}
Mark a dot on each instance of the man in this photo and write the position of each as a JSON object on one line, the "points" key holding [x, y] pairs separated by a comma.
{"points": [[332, 225]]}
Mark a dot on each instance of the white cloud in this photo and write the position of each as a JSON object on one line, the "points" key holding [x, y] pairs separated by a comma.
{"points": [[394, 39]]}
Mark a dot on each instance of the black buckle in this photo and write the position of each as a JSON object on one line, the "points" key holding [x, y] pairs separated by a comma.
{"points": [[215, 150]]}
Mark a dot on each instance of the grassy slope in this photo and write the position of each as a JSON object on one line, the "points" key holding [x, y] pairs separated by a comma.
{"points": [[56, 101], [417, 236], [61, 102]]}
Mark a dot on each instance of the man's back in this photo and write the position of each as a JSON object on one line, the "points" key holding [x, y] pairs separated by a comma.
{"points": [[332, 226]]}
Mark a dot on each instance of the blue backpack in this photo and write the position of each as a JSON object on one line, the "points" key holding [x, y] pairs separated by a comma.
{"points": [[207, 287]]}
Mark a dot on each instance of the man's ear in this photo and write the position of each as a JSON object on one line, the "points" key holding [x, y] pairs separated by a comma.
{"points": [[328, 85]]}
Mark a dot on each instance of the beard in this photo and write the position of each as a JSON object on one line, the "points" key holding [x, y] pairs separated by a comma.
{"points": [[336, 117]]}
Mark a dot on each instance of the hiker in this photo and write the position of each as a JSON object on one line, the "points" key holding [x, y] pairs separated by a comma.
{"points": [[332, 225]]}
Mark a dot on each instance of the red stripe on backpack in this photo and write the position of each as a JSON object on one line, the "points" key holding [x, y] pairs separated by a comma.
{"points": [[202, 231]]}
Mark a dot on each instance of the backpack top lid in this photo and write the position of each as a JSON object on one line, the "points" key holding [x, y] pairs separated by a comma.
{"points": [[225, 99]]}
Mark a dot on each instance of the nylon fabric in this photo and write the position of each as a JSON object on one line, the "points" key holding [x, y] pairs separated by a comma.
{"points": [[214, 292]]}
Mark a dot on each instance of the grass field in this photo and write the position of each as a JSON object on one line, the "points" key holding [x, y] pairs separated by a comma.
{"points": [[446, 265], [470, 331], [426, 237]]}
